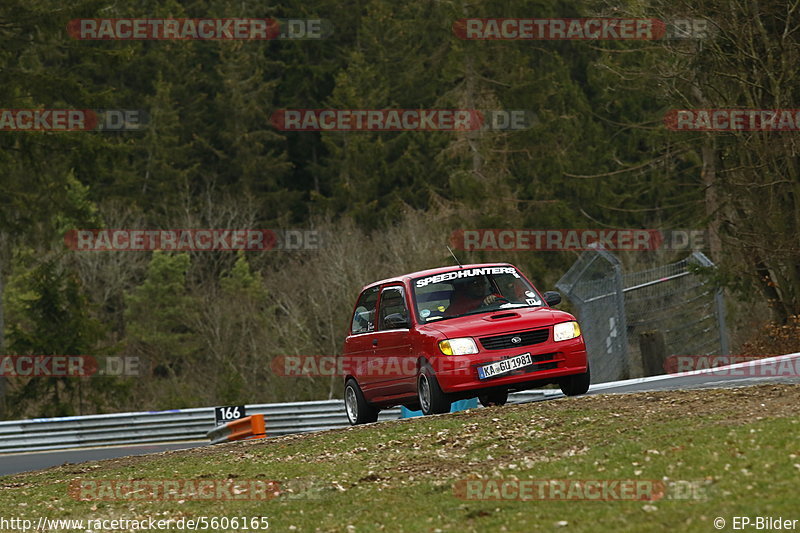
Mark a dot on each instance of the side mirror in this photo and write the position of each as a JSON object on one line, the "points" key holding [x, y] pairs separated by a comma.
{"points": [[395, 321], [552, 298]]}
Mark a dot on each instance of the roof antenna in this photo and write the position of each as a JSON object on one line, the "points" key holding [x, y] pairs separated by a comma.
{"points": [[454, 257]]}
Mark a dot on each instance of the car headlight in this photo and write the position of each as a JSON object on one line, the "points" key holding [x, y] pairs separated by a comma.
{"points": [[458, 346], [566, 331]]}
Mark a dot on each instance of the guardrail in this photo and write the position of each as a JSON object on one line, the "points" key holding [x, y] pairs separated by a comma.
{"points": [[187, 425], [180, 425]]}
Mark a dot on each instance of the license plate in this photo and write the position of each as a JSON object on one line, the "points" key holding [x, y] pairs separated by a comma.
{"points": [[505, 366]]}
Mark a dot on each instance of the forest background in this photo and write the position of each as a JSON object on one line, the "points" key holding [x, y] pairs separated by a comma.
{"points": [[209, 323]]}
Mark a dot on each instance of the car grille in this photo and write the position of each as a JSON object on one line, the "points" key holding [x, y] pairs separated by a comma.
{"points": [[503, 342]]}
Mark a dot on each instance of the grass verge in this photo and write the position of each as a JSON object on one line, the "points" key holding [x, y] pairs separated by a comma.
{"points": [[719, 453]]}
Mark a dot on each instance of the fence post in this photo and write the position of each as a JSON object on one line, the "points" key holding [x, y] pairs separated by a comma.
{"points": [[719, 304], [622, 327], [653, 348]]}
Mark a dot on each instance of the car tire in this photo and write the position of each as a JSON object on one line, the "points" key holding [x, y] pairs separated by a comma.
{"points": [[359, 410], [432, 400], [494, 398], [577, 384]]}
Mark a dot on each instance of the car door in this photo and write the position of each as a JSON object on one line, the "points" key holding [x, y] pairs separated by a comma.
{"points": [[392, 343], [358, 346]]}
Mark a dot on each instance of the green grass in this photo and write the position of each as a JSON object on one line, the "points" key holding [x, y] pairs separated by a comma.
{"points": [[740, 446]]}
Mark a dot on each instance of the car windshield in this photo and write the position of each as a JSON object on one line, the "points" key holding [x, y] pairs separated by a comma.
{"points": [[472, 290]]}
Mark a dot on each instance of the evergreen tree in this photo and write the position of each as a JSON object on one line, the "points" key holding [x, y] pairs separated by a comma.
{"points": [[49, 314], [159, 314]]}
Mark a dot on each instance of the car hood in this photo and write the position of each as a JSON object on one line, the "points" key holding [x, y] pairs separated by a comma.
{"points": [[497, 322]]}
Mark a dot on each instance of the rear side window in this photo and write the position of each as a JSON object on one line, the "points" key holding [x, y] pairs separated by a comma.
{"points": [[392, 303], [364, 316]]}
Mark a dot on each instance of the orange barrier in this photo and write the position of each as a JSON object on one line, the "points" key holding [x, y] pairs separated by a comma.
{"points": [[247, 428]]}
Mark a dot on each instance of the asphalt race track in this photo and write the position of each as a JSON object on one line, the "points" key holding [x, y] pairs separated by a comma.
{"points": [[24, 462], [781, 369]]}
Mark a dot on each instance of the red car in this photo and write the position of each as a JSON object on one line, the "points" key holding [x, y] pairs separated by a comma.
{"points": [[429, 338]]}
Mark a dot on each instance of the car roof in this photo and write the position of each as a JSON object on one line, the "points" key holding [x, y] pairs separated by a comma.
{"points": [[433, 272]]}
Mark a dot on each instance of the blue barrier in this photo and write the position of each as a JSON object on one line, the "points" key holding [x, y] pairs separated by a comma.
{"points": [[460, 405]]}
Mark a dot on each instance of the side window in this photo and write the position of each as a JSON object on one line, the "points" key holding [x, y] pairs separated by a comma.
{"points": [[393, 305], [364, 316]]}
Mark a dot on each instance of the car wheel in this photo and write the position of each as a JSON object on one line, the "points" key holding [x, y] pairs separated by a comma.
{"points": [[432, 400], [577, 384], [494, 398], [359, 411]]}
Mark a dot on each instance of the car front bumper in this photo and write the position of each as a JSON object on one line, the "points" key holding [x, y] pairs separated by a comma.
{"points": [[551, 361]]}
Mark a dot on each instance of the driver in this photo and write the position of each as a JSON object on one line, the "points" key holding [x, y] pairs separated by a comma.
{"points": [[470, 295]]}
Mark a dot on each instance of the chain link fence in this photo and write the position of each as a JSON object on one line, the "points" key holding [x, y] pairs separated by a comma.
{"points": [[633, 322]]}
